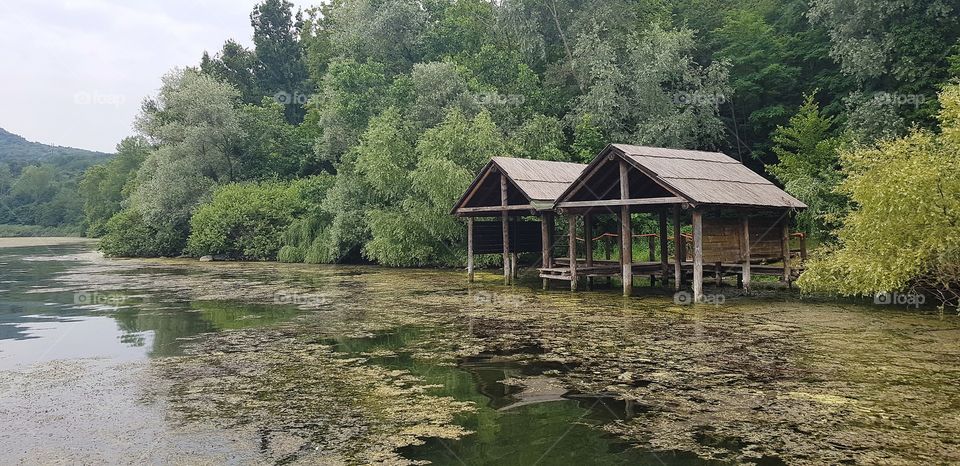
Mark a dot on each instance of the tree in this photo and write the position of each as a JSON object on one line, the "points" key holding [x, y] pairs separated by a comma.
{"points": [[235, 64], [103, 188], [649, 90], [419, 230], [809, 167], [904, 228], [280, 62], [195, 124]]}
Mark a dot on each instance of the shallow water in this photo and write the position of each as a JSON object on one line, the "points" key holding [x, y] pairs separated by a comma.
{"points": [[169, 360]]}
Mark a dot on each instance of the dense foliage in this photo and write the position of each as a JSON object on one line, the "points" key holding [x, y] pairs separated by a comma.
{"points": [[38, 186], [904, 229], [398, 103]]}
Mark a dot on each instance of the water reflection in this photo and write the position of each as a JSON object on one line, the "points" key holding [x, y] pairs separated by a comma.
{"points": [[539, 423], [40, 320]]}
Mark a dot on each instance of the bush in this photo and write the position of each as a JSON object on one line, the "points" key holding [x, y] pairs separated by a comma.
{"points": [[127, 235], [246, 220], [291, 254]]}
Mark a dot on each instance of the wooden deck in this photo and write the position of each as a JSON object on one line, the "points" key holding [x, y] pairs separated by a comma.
{"points": [[561, 270]]}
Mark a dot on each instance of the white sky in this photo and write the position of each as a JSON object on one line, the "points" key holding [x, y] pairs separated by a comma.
{"points": [[74, 72]]}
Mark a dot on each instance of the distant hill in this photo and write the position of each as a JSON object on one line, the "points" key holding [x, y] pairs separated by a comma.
{"points": [[19, 152]]}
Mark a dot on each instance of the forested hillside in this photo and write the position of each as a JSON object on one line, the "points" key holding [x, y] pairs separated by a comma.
{"points": [[349, 129], [38, 185]]}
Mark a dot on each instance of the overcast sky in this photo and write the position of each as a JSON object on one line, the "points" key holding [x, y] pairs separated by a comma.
{"points": [[73, 72]]}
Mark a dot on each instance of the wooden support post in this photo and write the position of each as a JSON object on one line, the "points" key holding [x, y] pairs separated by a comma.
{"points": [[678, 249], [803, 247], [514, 268], [588, 244], [546, 248], [664, 249], [697, 256], [505, 222], [652, 256], [745, 244], [626, 233], [470, 249], [785, 238], [572, 233]]}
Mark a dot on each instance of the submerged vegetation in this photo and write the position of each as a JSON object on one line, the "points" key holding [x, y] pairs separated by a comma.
{"points": [[397, 104], [379, 378]]}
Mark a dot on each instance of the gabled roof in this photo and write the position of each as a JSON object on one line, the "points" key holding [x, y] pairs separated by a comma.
{"points": [[698, 176], [539, 181]]}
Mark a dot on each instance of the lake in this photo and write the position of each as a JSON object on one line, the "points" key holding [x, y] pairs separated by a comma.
{"points": [[180, 361]]}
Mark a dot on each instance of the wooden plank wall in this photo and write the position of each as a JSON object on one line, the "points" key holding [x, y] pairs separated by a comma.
{"points": [[488, 237], [722, 238]]}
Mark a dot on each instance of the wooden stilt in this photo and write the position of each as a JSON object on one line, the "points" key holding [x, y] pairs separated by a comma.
{"points": [[588, 245], [514, 267], [546, 249], [697, 256], [678, 249], [505, 222], [785, 239], [664, 249], [803, 247], [572, 234], [745, 244], [626, 232], [470, 249], [652, 256]]}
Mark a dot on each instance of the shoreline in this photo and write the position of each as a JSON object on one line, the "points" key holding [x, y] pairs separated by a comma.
{"points": [[28, 241]]}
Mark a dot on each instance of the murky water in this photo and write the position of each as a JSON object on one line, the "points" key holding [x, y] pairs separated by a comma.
{"points": [[183, 362]]}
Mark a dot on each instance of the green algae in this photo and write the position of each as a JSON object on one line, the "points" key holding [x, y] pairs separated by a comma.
{"points": [[754, 380]]}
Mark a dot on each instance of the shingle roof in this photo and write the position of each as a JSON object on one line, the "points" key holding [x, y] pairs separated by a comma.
{"points": [[707, 177], [539, 180]]}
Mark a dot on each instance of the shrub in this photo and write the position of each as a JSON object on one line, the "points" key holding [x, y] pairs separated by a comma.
{"points": [[127, 235], [291, 254], [245, 220]]}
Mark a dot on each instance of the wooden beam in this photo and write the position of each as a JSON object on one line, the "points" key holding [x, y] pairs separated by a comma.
{"points": [[785, 238], [572, 234], [493, 208], [505, 224], [678, 249], [621, 202], [470, 250], [745, 245], [626, 233], [697, 256], [664, 249]]}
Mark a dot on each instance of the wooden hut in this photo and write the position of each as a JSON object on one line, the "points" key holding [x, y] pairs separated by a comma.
{"points": [[512, 188], [738, 217]]}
